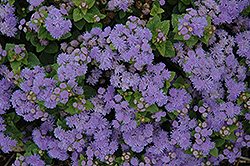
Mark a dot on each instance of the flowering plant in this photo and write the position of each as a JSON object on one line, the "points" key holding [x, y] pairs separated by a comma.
{"points": [[124, 82]]}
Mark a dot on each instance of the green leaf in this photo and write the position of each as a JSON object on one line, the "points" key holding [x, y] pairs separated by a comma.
{"points": [[90, 3], [71, 110], [88, 105], [219, 142], [179, 80], [192, 41], [188, 152], [164, 26], [59, 123], [80, 24], [89, 17], [239, 101], [15, 64], [170, 51], [214, 152], [43, 33], [152, 108], [175, 20], [172, 2], [77, 14], [161, 48], [51, 48], [186, 2], [181, 7], [171, 115], [39, 48], [11, 2], [32, 60], [89, 92], [178, 37], [77, 2], [29, 35], [122, 14], [67, 35], [151, 25], [160, 10], [208, 21], [97, 24], [233, 127], [154, 10], [230, 137]]}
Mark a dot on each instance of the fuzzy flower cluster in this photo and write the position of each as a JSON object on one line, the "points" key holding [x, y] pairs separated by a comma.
{"points": [[8, 20], [222, 11], [34, 3], [192, 24], [121, 4], [34, 86], [242, 40], [56, 24], [108, 100], [209, 69]]}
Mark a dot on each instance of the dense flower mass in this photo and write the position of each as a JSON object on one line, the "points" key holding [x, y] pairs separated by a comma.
{"points": [[88, 83], [8, 20], [56, 24]]}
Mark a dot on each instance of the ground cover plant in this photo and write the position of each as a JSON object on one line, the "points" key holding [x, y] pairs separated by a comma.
{"points": [[124, 82]]}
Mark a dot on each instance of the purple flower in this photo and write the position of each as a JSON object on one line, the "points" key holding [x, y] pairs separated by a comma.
{"points": [[56, 24], [186, 37]]}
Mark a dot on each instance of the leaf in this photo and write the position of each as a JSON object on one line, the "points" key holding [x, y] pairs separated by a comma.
{"points": [[151, 25], [214, 152], [67, 35], [181, 7], [97, 24], [186, 2], [163, 26], [88, 105], [170, 51], [160, 10], [40, 48], [89, 17], [90, 3], [43, 33], [122, 14], [137, 95], [161, 48], [188, 152], [29, 35], [51, 48], [233, 127], [219, 142], [172, 2], [11, 2], [77, 14], [179, 80], [32, 60], [89, 92], [192, 41], [154, 10], [171, 115], [77, 2], [8, 46], [152, 108], [80, 24], [239, 101], [71, 110], [175, 20], [230, 137], [15, 65]]}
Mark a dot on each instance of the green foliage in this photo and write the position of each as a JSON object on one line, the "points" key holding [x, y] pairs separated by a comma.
{"points": [[33, 60], [214, 152]]}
